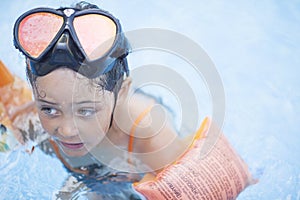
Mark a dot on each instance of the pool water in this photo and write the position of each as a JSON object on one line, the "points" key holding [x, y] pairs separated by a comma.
{"points": [[26, 176], [254, 46]]}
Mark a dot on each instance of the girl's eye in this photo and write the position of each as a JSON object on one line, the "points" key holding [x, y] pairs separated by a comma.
{"points": [[86, 112], [50, 111]]}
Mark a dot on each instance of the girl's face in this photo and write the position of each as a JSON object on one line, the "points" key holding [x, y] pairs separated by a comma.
{"points": [[72, 110]]}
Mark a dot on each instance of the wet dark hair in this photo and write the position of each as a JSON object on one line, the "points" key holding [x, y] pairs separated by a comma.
{"points": [[111, 80]]}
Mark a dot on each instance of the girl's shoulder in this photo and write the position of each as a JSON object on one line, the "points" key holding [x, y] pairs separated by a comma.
{"points": [[134, 115]]}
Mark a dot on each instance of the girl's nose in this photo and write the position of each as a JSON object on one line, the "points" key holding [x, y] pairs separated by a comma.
{"points": [[68, 129]]}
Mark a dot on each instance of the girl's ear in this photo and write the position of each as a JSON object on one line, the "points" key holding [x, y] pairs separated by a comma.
{"points": [[124, 90]]}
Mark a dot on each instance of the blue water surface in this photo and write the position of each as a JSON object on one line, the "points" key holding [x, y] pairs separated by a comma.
{"points": [[255, 47]]}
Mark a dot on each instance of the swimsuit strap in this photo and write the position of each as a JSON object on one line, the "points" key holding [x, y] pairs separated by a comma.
{"points": [[134, 126]]}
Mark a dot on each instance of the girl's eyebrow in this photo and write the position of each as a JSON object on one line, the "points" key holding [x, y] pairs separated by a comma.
{"points": [[48, 102], [83, 102]]}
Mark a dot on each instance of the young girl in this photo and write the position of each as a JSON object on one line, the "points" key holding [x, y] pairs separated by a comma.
{"points": [[77, 66]]}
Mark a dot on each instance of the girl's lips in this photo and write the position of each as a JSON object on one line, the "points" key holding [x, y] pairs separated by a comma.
{"points": [[73, 146]]}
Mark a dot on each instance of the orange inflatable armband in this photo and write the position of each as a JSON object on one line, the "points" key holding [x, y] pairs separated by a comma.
{"points": [[18, 118], [221, 174], [6, 77], [14, 92]]}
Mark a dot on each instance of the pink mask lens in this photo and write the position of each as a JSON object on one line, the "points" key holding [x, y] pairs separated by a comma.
{"points": [[96, 34], [37, 31]]}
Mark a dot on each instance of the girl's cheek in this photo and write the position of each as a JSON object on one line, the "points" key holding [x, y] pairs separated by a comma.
{"points": [[47, 125]]}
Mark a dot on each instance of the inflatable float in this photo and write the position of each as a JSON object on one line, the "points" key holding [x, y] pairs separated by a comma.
{"points": [[18, 118], [221, 174]]}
